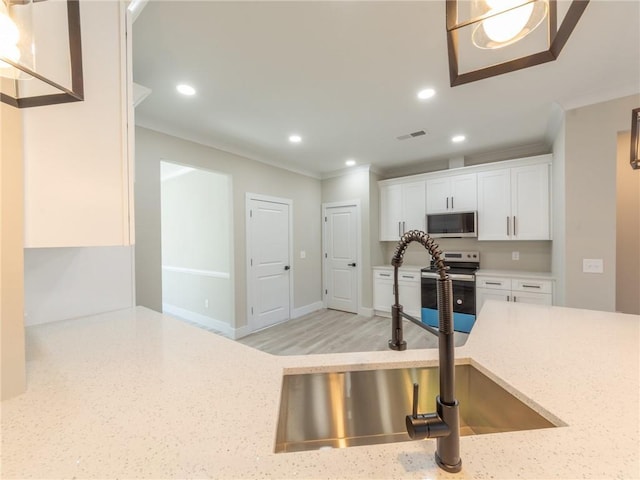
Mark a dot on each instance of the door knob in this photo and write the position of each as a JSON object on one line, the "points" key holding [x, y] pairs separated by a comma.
{"points": [[287, 267], [352, 264]]}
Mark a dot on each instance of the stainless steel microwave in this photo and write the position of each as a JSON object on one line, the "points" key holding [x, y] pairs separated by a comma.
{"points": [[458, 224]]}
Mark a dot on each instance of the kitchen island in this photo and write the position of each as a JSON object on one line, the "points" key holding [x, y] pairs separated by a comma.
{"points": [[136, 394]]}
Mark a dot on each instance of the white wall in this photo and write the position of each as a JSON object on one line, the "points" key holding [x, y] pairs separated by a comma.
{"points": [[247, 176], [63, 283], [590, 188]]}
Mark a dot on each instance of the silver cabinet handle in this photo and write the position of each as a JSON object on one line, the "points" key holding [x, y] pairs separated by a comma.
{"points": [[514, 226], [452, 203], [399, 233], [408, 276], [384, 274], [508, 298], [524, 285], [508, 233], [514, 298], [404, 228], [447, 203], [493, 283]]}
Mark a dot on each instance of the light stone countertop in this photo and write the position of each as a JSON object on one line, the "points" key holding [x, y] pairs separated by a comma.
{"points": [[135, 394]]}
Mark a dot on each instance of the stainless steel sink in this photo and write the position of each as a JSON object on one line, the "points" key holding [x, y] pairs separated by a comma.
{"points": [[345, 409]]}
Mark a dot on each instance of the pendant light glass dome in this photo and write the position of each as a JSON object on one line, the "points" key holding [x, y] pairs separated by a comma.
{"points": [[509, 21]]}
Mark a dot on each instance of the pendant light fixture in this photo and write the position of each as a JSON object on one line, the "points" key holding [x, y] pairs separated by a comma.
{"points": [[47, 31], [506, 21], [486, 38]]}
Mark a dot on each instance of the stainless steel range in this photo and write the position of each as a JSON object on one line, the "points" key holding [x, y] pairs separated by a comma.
{"points": [[462, 269]]}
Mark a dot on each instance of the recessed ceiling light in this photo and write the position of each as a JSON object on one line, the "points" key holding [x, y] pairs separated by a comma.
{"points": [[350, 163], [426, 93], [295, 138], [186, 89], [458, 138]]}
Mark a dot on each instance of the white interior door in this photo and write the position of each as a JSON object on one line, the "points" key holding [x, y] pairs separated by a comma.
{"points": [[269, 262], [341, 257]]}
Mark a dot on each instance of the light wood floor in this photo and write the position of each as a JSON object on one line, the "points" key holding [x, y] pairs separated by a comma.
{"points": [[332, 331]]}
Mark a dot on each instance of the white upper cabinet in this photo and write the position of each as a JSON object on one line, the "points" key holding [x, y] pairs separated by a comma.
{"points": [[513, 203], [455, 193], [402, 208], [530, 202], [78, 156]]}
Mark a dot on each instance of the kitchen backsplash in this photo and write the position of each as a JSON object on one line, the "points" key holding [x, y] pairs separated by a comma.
{"points": [[535, 256]]}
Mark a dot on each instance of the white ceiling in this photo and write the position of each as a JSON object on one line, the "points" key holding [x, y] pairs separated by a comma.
{"points": [[344, 76]]}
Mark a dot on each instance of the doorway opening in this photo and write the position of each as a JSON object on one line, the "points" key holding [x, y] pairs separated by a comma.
{"points": [[197, 256]]}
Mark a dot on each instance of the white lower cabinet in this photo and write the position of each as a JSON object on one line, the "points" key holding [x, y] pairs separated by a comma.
{"points": [[513, 289], [409, 290]]}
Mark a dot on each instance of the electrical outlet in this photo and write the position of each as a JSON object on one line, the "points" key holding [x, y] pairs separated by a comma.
{"points": [[206, 303], [592, 265], [303, 254], [515, 255]]}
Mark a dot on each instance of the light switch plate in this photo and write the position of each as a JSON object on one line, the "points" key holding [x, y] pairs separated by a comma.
{"points": [[592, 265], [303, 254]]}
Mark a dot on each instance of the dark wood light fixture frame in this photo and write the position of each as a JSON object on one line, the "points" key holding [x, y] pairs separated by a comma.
{"points": [[76, 93], [635, 138], [557, 39]]}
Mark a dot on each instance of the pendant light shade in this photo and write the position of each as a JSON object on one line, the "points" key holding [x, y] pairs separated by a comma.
{"points": [[40, 52], [506, 22], [486, 38]]}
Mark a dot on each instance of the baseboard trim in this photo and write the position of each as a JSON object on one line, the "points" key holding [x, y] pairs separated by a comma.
{"points": [[209, 322], [365, 311], [312, 307]]}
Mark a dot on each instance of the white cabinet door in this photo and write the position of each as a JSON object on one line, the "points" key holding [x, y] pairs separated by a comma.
{"points": [[494, 205], [438, 193], [483, 294], [456, 193], [390, 212], [535, 298], [402, 208], [78, 163], [413, 206], [409, 290], [513, 204], [530, 202], [383, 290], [464, 193]]}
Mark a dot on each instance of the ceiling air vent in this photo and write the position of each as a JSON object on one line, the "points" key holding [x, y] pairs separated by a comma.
{"points": [[419, 133]]}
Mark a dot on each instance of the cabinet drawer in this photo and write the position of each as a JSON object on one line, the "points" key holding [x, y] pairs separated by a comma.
{"points": [[494, 283], [408, 277], [534, 286], [383, 274], [402, 276]]}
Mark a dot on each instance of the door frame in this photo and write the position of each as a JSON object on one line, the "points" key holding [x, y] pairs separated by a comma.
{"points": [[250, 293], [348, 203]]}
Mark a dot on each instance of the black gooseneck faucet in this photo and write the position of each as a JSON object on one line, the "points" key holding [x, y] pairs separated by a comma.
{"points": [[444, 424]]}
